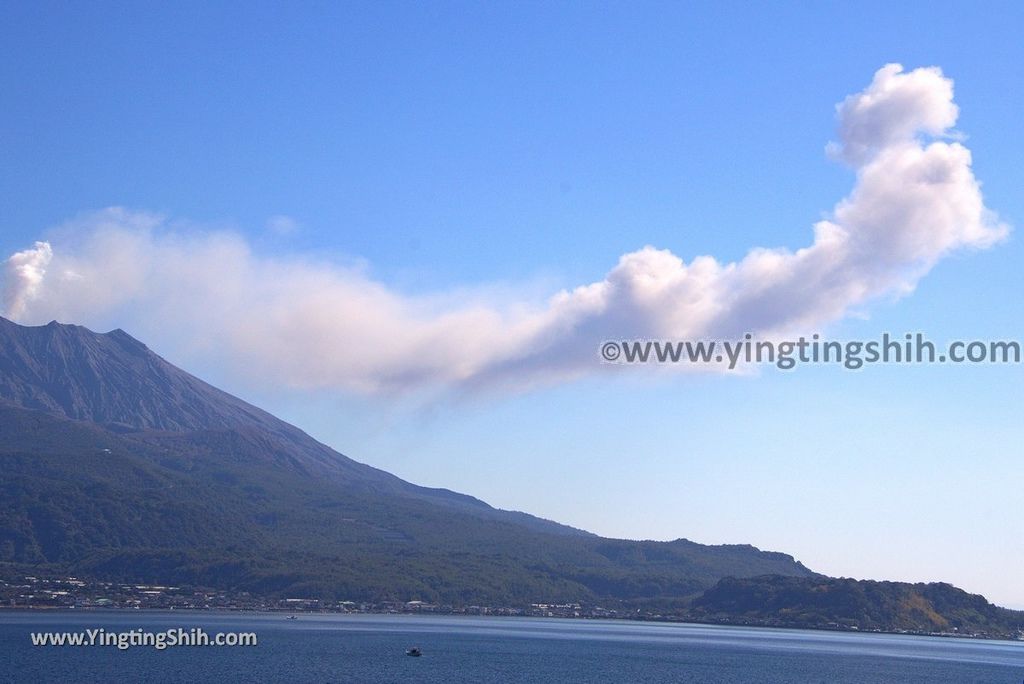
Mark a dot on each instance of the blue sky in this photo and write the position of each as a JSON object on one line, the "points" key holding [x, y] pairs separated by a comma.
{"points": [[457, 148]]}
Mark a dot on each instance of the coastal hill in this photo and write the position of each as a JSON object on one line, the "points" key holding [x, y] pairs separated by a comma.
{"points": [[842, 603]]}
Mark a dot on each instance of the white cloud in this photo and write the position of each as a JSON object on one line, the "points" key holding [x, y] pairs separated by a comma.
{"points": [[23, 275], [309, 324], [896, 107]]}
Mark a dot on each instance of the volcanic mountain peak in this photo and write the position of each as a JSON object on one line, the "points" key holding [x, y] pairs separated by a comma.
{"points": [[111, 379], [114, 381]]}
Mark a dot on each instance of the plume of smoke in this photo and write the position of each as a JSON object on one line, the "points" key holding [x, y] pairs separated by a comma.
{"points": [[23, 275], [314, 325]]}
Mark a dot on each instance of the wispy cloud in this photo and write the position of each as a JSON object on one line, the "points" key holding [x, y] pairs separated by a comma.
{"points": [[309, 324], [282, 226]]}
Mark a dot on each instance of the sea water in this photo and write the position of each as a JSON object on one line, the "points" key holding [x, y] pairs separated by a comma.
{"points": [[372, 648]]}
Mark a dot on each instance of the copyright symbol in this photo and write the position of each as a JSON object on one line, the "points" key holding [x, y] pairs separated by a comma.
{"points": [[610, 351]]}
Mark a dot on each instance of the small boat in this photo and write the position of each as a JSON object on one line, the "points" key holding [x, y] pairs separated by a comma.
{"points": [[292, 617], [415, 652]]}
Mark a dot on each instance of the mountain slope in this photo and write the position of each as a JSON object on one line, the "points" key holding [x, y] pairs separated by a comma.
{"points": [[115, 381], [116, 464]]}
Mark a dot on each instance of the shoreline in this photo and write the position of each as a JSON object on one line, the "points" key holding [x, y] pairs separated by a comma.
{"points": [[284, 613]]}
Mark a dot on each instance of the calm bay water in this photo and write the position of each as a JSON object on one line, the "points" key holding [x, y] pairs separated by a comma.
{"points": [[371, 648]]}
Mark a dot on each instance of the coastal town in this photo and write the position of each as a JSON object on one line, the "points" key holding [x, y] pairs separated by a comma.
{"points": [[31, 592]]}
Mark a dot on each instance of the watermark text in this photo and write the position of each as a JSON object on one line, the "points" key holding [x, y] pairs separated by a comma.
{"points": [[910, 348]]}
